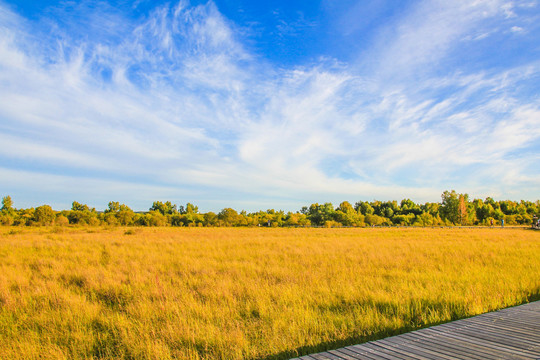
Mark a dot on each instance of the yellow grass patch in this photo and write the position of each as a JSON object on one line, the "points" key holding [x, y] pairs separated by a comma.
{"points": [[247, 293]]}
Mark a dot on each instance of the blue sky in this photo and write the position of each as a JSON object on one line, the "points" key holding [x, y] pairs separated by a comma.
{"points": [[277, 104]]}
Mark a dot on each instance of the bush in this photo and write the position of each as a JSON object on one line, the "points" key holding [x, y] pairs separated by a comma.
{"points": [[61, 220], [43, 215], [6, 220], [332, 224]]}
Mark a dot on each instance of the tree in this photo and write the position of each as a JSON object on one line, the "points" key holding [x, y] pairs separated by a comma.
{"points": [[462, 209], [191, 209], [7, 203], [81, 214], [408, 207], [210, 219], [314, 214], [61, 220], [296, 219], [228, 216], [319, 214], [403, 220], [425, 219], [7, 216], [346, 207], [388, 212], [114, 206], [450, 206], [44, 215], [118, 213], [75, 206], [125, 215], [152, 218], [6, 219], [164, 208], [364, 208], [374, 220]]}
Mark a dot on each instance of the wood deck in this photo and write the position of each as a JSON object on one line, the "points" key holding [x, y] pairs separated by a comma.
{"points": [[512, 333]]}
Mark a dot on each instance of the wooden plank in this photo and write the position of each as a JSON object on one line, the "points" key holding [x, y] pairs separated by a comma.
{"points": [[367, 352], [514, 325], [361, 350], [508, 333], [358, 353], [473, 350], [341, 355], [512, 312], [400, 349], [453, 344], [496, 338], [325, 356], [417, 348], [521, 317], [353, 354], [525, 322], [472, 337], [484, 344], [493, 332], [422, 336], [428, 353], [377, 347], [476, 343]]}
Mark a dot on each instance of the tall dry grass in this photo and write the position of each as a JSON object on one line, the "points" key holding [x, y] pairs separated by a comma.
{"points": [[240, 293]]}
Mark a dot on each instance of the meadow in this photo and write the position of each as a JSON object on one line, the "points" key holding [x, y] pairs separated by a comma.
{"points": [[246, 293]]}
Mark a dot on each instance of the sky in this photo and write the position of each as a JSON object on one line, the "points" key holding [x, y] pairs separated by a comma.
{"points": [[261, 105]]}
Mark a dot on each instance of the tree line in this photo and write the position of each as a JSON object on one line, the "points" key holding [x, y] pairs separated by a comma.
{"points": [[454, 209]]}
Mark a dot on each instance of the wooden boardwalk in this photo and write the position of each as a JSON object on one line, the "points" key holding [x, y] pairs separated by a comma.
{"points": [[512, 333]]}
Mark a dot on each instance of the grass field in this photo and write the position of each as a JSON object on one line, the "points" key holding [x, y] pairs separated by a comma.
{"points": [[246, 293]]}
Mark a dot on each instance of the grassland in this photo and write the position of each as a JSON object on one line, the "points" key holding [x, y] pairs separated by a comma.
{"points": [[240, 293]]}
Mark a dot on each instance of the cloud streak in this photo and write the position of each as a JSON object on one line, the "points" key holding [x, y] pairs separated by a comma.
{"points": [[176, 106]]}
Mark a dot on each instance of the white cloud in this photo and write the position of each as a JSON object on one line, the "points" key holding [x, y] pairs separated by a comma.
{"points": [[178, 107]]}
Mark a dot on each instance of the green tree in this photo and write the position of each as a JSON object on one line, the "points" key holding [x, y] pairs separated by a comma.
{"points": [[407, 206], [152, 218], [7, 214], [81, 214], [296, 219], [319, 214], [374, 220], [125, 215], [364, 208], [403, 220], [450, 206], [228, 217], [431, 208], [7, 203], [315, 215], [498, 214], [388, 212], [117, 213], [425, 219], [76, 206], [44, 215], [114, 207], [346, 207], [164, 208], [191, 209], [210, 219]]}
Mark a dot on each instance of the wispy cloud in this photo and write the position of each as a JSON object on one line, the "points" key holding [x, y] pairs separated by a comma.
{"points": [[178, 107]]}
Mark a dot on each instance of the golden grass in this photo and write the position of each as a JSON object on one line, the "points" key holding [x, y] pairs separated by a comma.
{"points": [[246, 293]]}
